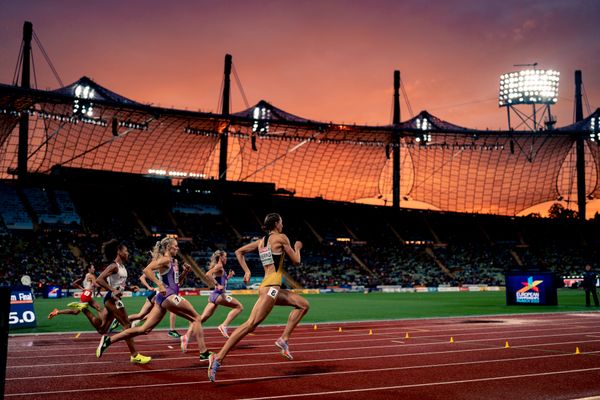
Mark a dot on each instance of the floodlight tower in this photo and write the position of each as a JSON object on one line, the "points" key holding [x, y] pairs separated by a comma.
{"points": [[535, 87]]}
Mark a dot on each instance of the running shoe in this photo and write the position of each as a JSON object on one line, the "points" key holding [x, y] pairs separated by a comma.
{"points": [[206, 355], [213, 366], [53, 313], [285, 350], [223, 330], [174, 334], [104, 343], [78, 306], [183, 343], [114, 325], [140, 359]]}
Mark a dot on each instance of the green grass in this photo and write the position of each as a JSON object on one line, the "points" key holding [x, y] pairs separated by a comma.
{"points": [[335, 307]]}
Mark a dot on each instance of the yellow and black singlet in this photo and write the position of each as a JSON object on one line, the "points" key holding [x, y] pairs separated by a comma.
{"points": [[267, 257]]}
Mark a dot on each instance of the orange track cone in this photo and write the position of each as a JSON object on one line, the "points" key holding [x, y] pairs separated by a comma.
{"points": [[506, 346], [314, 327], [340, 329], [370, 332], [406, 336], [577, 350], [451, 339]]}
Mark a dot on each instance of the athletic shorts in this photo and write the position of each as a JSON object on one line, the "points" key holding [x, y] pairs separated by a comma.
{"points": [[214, 295], [86, 296]]}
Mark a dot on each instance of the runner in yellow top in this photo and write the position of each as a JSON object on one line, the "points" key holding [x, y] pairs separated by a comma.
{"points": [[272, 250]]}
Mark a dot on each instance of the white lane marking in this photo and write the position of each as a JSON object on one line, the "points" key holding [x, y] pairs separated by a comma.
{"points": [[497, 378], [290, 376]]}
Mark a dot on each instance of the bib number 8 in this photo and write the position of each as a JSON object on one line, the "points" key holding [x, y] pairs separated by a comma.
{"points": [[273, 292]]}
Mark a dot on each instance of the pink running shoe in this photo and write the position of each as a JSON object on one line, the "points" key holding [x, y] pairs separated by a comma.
{"points": [[285, 350], [53, 313], [213, 366], [223, 330], [183, 343]]}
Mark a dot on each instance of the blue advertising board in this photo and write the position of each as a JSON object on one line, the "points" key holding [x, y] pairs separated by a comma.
{"points": [[53, 292], [531, 288], [22, 314]]}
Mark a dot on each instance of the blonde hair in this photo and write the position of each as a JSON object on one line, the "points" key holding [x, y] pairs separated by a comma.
{"points": [[161, 247], [215, 258]]}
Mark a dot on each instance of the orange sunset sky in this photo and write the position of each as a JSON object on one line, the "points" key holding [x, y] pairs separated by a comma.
{"points": [[323, 60]]}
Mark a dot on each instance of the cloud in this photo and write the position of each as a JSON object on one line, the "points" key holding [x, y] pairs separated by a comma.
{"points": [[528, 26]]}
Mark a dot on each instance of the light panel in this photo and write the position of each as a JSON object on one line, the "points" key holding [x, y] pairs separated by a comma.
{"points": [[535, 86]]}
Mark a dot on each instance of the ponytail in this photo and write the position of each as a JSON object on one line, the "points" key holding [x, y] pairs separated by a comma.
{"points": [[160, 247], [215, 258]]}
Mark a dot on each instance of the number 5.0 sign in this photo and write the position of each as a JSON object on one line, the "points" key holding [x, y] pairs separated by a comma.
{"points": [[22, 314]]}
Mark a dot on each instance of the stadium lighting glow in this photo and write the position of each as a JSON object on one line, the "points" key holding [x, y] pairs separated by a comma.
{"points": [[176, 174], [85, 107], [595, 130], [260, 126], [536, 86], [424, 125]]}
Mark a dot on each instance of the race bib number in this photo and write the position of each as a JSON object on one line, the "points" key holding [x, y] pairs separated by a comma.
{"points": [[119, 304], [177, 299], [229, 299], [176, 272], [273, 292], [87, 293], [266, 256]]}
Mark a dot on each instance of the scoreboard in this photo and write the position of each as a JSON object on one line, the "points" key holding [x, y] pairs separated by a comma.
{"points": [[22, 313]]}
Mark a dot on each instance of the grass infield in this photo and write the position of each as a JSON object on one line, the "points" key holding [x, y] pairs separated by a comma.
{"points": [[333, 307]]}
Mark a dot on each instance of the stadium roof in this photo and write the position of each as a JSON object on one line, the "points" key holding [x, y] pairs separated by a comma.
{"points": [[443, 165]]}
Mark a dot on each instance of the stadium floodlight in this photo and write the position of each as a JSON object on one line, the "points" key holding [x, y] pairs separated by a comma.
{"points": [[261, 116], [82, 103], [424, 125], [595, 130], [531, 86]]}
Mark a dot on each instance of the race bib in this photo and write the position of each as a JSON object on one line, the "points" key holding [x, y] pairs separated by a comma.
{"points": [[229, 299], [266, 256], [119, 304], [176, 272], [272, 292], [177, 299]]}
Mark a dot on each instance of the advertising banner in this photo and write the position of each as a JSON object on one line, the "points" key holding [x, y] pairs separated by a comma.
{"points": [[531, 288]]}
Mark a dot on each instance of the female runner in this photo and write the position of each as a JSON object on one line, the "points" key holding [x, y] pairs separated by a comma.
{"points": [[272, 250]]}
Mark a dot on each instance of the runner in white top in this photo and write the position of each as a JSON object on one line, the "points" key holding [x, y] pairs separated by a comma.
{"points": [[113, 279]]}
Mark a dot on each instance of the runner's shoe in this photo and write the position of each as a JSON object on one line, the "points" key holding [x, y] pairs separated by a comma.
{"points": [[213, 366], [285, 350], [140, 359], [183, 343], [78, 306], [104, 343], [53, 313], [223, 330], [174, 334], [114, 325], [206, 355]]}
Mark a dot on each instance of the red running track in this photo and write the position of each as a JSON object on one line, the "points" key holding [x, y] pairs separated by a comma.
{"points": [[524, 356]]}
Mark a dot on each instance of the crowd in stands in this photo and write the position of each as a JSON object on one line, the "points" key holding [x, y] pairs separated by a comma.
{"points": [[344, 245]]}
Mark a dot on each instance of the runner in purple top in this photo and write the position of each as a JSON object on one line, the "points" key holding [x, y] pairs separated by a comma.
{"points": [[218, 296], [167, 298]]}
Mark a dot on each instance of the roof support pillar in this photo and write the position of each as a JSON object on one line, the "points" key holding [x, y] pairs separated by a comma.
{"points": [[225, 111], [24, 120], [396, 144], [579, 146]]}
